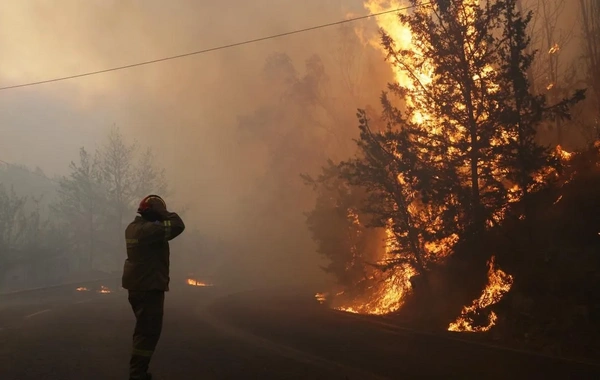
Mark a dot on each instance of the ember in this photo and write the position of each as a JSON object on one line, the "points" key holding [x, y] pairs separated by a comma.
{"points": [[82, 289]]}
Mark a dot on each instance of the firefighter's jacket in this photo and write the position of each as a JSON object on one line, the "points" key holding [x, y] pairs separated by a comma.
{"points": [[147, 264]]}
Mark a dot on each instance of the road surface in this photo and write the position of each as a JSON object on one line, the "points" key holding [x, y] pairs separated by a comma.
{"points": [[68, 335]]}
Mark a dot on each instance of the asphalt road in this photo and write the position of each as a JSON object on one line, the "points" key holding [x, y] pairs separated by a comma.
{"points": [[254, 335]]}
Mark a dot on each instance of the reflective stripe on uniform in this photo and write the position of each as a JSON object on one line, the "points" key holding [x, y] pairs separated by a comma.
{"points": [[167, 224], [139, 352], [132, 241]]}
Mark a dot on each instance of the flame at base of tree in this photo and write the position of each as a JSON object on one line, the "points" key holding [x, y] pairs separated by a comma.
{"points": [[499, 283], [382, 293], [385, 296]]}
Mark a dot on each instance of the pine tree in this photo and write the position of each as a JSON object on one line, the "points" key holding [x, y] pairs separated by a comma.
{"points": [[468, 101], [461, 129], [389, 169]]}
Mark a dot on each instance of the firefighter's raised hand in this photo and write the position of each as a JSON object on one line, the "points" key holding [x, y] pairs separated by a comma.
{"points": [[158, 207], [168, 224]]}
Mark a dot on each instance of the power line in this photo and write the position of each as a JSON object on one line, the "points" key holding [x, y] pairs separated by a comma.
{"points": [[222, 47]]}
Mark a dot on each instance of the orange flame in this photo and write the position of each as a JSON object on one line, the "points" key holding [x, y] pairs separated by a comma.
{"points": [[192, 282], [321, 297], [563, 154], [387, 291], [82, 289], [104, 290], [499, 283], [385, 297]]}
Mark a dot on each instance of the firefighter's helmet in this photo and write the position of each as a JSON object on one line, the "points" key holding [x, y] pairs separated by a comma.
{"points": [[146, 203]]}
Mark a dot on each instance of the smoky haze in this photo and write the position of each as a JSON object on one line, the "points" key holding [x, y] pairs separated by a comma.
{"points": [[234, 129]]}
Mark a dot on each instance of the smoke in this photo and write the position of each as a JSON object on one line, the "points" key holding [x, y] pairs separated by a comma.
{"points": [[233, 132], [241, 186]]}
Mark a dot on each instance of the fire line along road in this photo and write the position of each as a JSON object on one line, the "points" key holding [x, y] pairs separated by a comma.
{"points": [[208, 334]]}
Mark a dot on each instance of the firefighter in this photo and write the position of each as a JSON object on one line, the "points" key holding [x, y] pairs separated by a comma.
{"points": [[146, 276]]}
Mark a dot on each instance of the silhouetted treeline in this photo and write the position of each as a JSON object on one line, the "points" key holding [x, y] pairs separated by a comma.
{"points": [[52, 229]]}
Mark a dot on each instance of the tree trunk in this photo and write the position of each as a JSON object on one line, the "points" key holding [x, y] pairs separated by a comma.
{"points": [[476, 212], [530, 73], [477, 222]]}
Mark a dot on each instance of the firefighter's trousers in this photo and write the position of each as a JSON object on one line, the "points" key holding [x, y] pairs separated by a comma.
{"points": [[148, 307]]}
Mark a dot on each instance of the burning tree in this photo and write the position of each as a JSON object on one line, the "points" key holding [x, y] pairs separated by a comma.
{"points": [[459, 141]]}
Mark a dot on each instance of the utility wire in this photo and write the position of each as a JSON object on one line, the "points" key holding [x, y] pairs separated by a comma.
{"points": [[222, 47]]}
